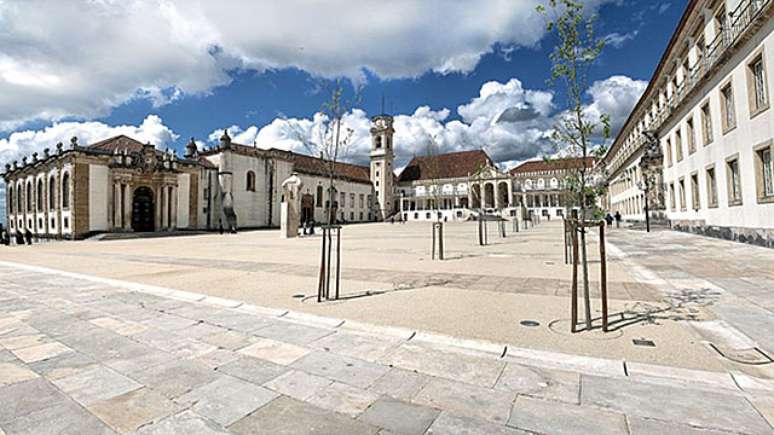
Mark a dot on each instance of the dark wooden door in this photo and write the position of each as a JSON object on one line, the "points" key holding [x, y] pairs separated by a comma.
{"points": [[143, 210]]}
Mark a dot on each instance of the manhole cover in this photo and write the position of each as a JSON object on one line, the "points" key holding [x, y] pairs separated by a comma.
{"points": [[299, 296], [529, 323], [643, 342]]}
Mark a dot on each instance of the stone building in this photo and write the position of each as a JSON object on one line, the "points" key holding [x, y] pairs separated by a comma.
{"points": [[122, 185], [704, 127], [118, 184], [541, 186], [452, 186]]}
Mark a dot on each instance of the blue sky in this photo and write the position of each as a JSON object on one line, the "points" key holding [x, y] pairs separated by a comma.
{"points": [[165, 72]]}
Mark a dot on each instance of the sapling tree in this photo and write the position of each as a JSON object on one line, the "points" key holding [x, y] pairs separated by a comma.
{"points": [[577, 131], [331, 139]]}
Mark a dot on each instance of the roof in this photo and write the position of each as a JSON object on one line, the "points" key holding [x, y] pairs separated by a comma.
{"points": [[120, 142], [317, 166], [302, 163], [552, 165], [653, 84], [442, 166]]}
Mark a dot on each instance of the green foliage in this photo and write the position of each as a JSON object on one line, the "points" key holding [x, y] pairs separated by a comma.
{"points": [[576, 50]]}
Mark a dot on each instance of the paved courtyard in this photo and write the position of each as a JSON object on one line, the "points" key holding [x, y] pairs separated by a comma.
{"points": [[204, 335], [81, 356], [389, 279]]}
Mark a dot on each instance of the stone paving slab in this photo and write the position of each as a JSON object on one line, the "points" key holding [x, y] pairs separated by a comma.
{"points": [[227, 400], [399, 417], [700, 408], [220, 371], [130, 411], [450, 424], [426, 359], [529, 414], [482, 403], [286, 416]]}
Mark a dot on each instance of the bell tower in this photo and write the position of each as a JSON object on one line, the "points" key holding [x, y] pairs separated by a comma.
{"points": [[382, 157]]}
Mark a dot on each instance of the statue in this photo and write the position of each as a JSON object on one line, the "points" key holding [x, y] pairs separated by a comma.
{"points": [[290, 213]]}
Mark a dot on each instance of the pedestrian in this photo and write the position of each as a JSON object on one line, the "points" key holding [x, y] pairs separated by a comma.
{"points": [[220, 226], [311, 226], [28, 236], [617, 219], [609, 219]]}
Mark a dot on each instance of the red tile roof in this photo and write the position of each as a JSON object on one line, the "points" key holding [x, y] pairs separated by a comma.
{"points": [[304, 164], [442, 166], [552, 165], [119, 142], [316, 166]]}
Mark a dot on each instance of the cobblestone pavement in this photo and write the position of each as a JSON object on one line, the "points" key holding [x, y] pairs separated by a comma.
{"points": [[83, 355], [733, 280]]}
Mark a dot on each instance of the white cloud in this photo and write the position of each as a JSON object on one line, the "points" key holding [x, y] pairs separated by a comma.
{"points": [[23, 143], [617, 40], [616, 97], [80, 59], [511, 123]]}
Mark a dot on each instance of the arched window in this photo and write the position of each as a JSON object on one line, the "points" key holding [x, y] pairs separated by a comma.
{"points": [[10, 200], [250, 182], [19, 189], [66, 190], [40, 203], [52, 193], [319, 196], [29, 196]]}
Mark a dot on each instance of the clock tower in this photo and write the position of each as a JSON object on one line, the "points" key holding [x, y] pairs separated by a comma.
{"points": [[382, 157]]}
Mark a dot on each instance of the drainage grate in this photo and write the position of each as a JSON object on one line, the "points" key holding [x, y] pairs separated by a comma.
{"points": [[529, 323], [643, 342]]}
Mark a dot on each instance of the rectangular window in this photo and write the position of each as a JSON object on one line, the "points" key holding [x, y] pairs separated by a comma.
{"points": [[695, 200], [691, 136], [727, 108], [672, 196], [706, 123], [768, 172], [352, 200], [343, 199], [682, 193], [734, 182], [756, 83], [712, 188], [362, 199], [668, 153], [764, 173], [678, 145], [720, 20]]}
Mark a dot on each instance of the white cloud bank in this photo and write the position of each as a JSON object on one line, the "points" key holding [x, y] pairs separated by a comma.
{"points": [[82, 58], [508, 121]]}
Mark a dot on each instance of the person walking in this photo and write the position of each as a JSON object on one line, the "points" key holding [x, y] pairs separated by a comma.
{"points": [[609, 219], [617, 219]]}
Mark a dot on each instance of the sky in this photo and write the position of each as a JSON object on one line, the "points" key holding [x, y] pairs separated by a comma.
{"points": [[463, 74]]}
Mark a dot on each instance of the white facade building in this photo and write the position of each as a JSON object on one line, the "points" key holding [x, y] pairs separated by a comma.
{"points": [[708, 105]]}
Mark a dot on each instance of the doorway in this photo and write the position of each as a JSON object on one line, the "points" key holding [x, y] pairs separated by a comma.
{"points": [[143, 210]]}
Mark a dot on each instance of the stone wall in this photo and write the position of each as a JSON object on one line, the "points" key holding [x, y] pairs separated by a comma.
{"points": [[80, 204], [755, 236]]}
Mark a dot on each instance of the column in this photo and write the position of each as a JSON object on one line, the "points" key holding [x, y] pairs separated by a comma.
{"points": [[157, 208], [510, 193], [173, 224], [163, 207], [126, 198], [116, 205]]}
